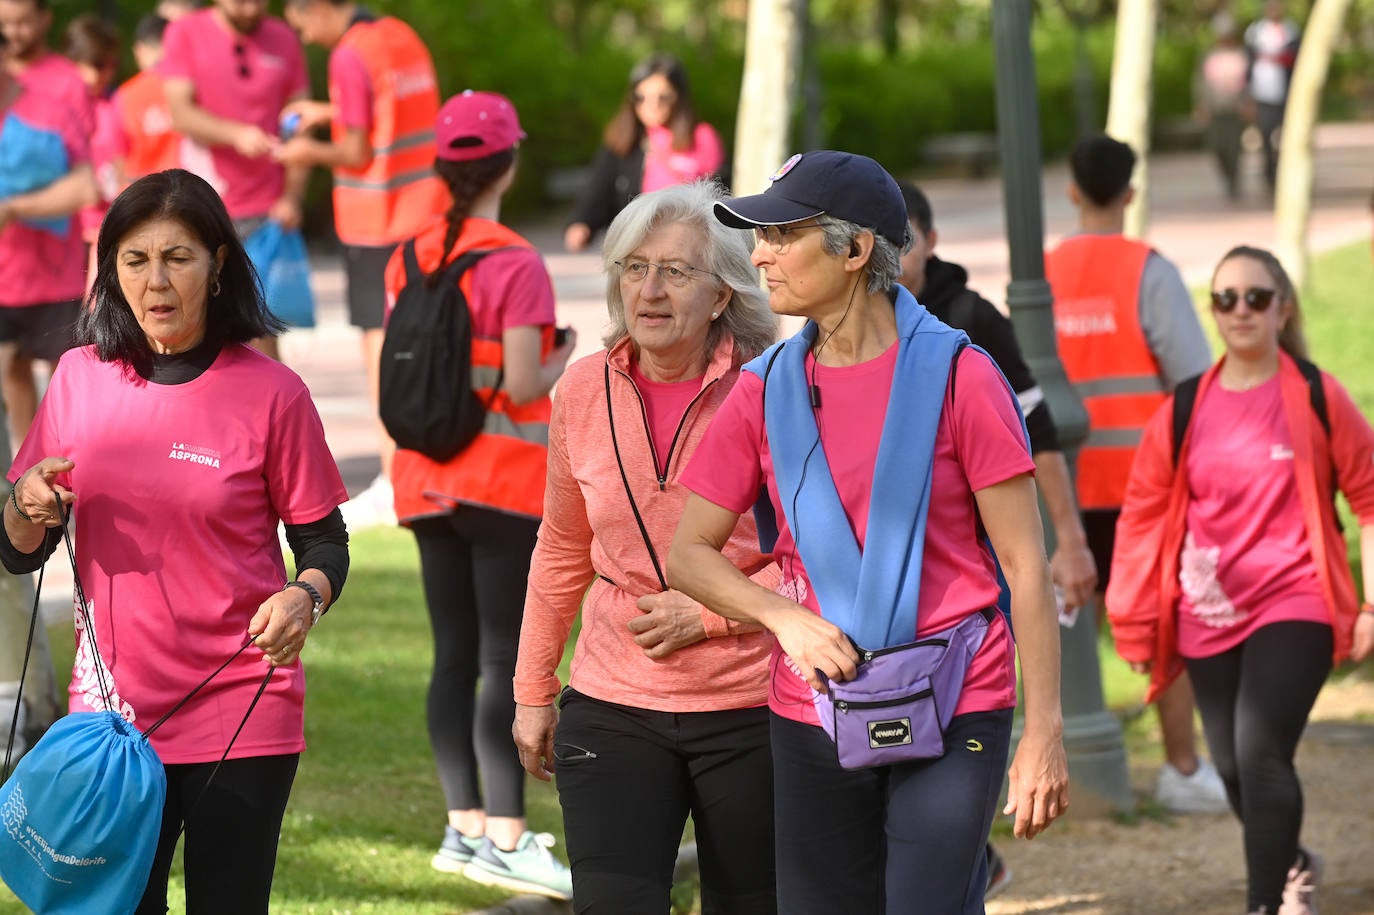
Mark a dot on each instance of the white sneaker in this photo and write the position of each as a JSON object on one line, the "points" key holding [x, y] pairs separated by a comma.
{"points": [[1201, 792], [373, 507]]}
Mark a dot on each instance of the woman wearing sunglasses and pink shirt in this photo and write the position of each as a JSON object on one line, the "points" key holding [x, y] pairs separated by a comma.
{"points": [[1230, 562]]}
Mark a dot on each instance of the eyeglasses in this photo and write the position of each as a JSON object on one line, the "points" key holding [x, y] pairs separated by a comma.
{"points": [[1256, 299], [776, 238], [663, 98], [672, 274], [241, 55]]}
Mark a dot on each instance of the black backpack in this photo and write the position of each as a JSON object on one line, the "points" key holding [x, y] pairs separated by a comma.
{"points": [[426, 399]]}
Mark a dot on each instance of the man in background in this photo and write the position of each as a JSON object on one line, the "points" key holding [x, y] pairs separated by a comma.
{"points": [[45, 179], [383, 101], [229, 70], [149, 142], [1127, 333], [1273, 46]]}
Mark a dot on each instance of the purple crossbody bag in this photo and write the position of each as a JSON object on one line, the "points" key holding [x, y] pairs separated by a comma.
{"points": [[898, 706]]}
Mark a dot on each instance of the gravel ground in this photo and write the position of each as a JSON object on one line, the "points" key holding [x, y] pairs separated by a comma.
{"points": [[1194, 864]]}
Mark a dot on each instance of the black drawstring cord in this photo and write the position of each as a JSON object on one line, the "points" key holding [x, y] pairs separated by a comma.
{"points": [[80, 592], [100, 666], [23, 675]]}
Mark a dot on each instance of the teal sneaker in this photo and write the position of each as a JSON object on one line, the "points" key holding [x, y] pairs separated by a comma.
{"points": [[455, 852], [530, 868]]}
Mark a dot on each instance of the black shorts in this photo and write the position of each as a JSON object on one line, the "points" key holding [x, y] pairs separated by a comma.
{"points": [[43, 331], [365, 268], [1099, 527]]}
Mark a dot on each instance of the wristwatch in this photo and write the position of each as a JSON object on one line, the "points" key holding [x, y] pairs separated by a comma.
{"points": [[315, 597]]}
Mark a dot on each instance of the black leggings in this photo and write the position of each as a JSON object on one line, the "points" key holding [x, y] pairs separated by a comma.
{"points": [[475, 564], [232, 831], [1254, 701]]}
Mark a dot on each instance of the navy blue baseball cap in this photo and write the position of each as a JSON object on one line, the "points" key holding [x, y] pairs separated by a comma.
{"points": [[839, 184]]}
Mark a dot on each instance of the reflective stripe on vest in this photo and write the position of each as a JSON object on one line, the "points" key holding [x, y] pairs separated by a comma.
{"points": [[1096, 285], [396, 193]]}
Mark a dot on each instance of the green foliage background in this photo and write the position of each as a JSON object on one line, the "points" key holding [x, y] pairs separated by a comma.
{"points": [[880, 76]]}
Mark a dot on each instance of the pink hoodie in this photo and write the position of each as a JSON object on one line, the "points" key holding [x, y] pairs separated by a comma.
{"points": [[589, 535]]}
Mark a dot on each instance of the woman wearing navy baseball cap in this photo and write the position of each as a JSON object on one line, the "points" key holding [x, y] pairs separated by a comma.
{"points": [[888, 486]]}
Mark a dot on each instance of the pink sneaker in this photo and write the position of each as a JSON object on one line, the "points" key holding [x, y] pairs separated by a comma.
{"points": [[1300, 893]]}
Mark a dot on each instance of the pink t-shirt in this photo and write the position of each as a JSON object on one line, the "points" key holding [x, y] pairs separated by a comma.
{"points": [[665, 403], [665, 166], [243, 78], [39, 266], [179, 490], [1246, 561], [351, 88], [58, 79], [980, 442], [107, 146]]}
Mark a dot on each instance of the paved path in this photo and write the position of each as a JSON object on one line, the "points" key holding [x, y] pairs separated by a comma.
{"points": [[1192, 223]]}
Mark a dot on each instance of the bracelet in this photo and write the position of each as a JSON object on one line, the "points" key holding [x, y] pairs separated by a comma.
{"points": [[14, 500], [316, 599]]}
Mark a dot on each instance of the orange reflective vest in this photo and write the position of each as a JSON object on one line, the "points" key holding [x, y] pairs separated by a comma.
{"points": [[151, 143], [504, 466], [1096, 284], [396, 193]]}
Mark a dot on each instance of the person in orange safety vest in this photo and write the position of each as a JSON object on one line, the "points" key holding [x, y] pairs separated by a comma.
{"points": [[383, 99], [1127, 332]]}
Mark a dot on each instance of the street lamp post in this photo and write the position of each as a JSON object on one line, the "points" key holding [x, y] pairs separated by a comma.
{"points": [[1092, 735]]}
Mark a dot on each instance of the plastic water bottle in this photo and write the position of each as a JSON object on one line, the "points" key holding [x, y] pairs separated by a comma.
{"points": [[290, 123], [1067, 617]]}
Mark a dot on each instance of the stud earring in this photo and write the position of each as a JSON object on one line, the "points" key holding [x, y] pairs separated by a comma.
{"points": [[714, 315]]}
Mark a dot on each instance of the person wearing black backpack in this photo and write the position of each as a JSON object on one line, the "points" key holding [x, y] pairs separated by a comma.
{"points": [[474, 497], [1230, 563]]}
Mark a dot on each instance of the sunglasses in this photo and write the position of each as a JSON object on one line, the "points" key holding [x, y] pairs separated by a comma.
{"points": [[1256, 299], [241, 55]]}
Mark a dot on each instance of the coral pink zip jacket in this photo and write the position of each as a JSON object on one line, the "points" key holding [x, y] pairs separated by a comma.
{"points": [[1142, 598], [589, 536]]}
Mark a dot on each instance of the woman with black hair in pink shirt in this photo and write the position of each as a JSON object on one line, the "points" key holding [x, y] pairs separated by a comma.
{"points": [[181, 450]]}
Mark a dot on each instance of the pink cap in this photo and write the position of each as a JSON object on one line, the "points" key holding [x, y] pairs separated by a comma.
{"points": [[473, 125]]}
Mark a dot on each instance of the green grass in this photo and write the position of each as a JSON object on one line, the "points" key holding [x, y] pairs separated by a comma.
{"points": [[366, 813]]}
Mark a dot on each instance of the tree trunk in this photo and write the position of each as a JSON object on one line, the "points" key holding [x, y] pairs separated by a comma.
{"points": [[768, 90], [1128, 111], [1293, 192], [767, 97]]}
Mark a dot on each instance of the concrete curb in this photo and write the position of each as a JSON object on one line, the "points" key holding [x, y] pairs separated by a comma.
{"points": [[541, 905]]}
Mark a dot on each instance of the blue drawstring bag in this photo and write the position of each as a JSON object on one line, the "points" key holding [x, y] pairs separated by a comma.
{"points": [[83, 810], [32, 158], [284, 272], [81, 815]]}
